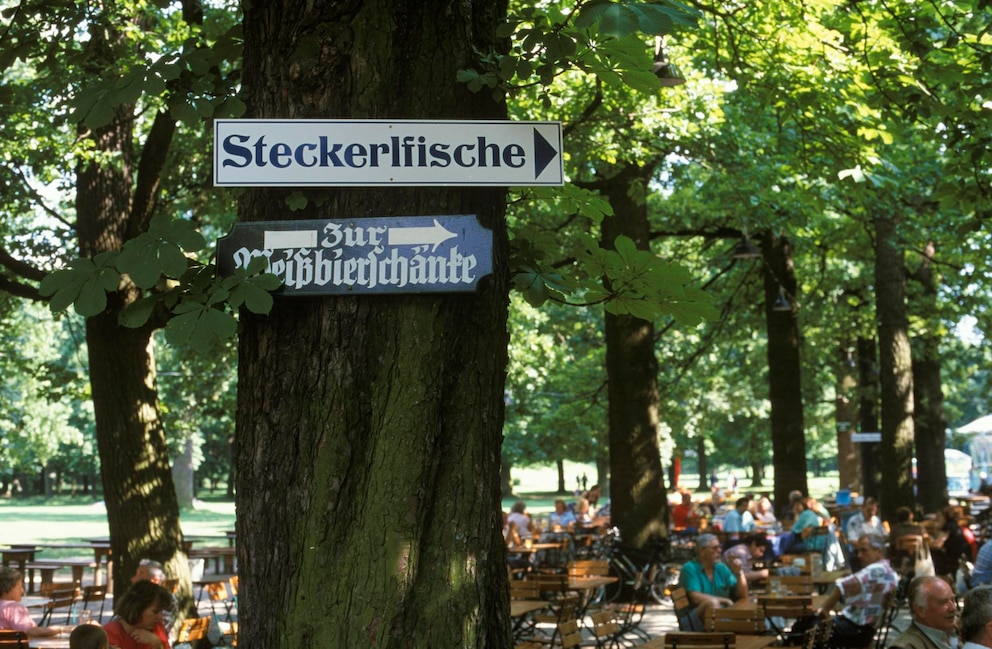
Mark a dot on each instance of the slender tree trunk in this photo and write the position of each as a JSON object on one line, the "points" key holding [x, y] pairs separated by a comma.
{"points": [[784, 377], [369, 427], [702, 464], [896, 371], [638, 505], [561, 476], [868, 403], [930, 424], [848, 454]]}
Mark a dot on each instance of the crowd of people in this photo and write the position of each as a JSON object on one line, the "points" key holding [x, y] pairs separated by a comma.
{"points": [[139, 620]]}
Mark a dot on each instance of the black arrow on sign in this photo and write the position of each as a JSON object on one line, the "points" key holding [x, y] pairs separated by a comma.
{"points": [[544, 153]]}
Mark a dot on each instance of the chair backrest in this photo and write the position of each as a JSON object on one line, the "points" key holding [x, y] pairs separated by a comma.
{"points": [[821, 640], [886, 620], [605, 624], [59, 598], [704, 640], [194, 628], [93, 594], [787, 606], [682, 606], [736, 620], [217, 591], [525, 589], [552, 587], [588, 568], [570, 634]]}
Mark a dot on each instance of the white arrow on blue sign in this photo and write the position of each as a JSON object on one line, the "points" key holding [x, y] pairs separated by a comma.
{"points": [[412, 254], [297, 153]]}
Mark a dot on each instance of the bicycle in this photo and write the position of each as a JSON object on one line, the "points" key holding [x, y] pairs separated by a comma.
{"points": [[649, 571]]}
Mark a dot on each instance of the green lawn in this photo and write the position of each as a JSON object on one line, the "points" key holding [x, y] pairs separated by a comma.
{"points": [[67, 519]]}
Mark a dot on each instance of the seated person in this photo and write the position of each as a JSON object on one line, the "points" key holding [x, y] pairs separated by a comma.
{"points": [[739, 519], [88, 636], [561, 520], [708, 582], [14, 616], [764, 514], [138, 623], [806, 521], [950, 546], [518, 516], [150, 570], [865, 521], [934, 613], [752, 548], [862, 594], [904, 525], [682, 512], [981, 575]]}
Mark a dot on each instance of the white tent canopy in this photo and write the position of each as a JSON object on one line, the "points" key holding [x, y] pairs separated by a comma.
{"points": [[978, 427]]}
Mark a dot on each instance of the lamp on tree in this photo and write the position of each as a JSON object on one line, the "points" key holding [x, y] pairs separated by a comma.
{"points": [[667, 72], [745, 249], [781, 303]]}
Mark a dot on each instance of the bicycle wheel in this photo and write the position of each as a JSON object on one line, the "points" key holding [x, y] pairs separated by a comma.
{"points": [[611, 592], [665, 581]]}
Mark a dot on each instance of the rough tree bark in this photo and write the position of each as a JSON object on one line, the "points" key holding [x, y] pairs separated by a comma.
{"points": [[930, 424], [637, 483], [868, 402], [369, 427], [895, 369], [784, 380], [115, 198]]}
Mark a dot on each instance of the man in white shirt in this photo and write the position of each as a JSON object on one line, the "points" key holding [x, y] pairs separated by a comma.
{"points": [[976, 618], [865, 522], [934, 611]]}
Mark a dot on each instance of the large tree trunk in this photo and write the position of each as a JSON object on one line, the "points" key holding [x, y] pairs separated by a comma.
{"points": [[895, 369], [369, 427], [637, 483], [784, 377], [929, 422], [142, 512]]}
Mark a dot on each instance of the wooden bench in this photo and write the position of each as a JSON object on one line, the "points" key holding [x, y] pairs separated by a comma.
{"points": [[218, 554], [47, 568]]}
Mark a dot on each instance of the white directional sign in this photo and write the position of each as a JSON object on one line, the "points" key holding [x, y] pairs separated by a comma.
{"points": [[410, 254], [296, 153], [866, 437]]}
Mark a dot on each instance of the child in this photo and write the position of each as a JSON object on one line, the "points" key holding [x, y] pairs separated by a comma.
{"points": [[88, 636]]}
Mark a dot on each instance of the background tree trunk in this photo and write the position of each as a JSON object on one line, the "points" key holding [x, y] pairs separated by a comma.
{"points": [[896, 371], [142, 512], [848, 453], [784, 380], [369, 427], [868, 402], [637, 491], [929, 423]]}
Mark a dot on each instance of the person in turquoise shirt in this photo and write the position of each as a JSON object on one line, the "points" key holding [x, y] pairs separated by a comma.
{"points": [[708, 582]]}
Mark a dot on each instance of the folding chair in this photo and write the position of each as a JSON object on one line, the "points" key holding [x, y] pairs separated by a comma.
{"points": [[605, 629], [692, 640], [683, 607], [886, 621], [60, 598], [93, 594], [193, 629], [777, 610], [217, 591]]}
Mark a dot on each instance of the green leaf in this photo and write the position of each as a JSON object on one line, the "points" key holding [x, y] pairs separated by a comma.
{"points": [[92, 298], [137, 313], [257, 300]]}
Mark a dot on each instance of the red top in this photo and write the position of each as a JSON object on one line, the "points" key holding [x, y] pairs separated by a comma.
{"points": [[119, 637]]}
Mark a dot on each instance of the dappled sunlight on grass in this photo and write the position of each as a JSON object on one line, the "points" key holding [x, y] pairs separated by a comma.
{"points": [[30, 520]]}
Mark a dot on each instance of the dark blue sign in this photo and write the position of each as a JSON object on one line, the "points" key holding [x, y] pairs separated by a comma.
{"points": [[411, 254]]}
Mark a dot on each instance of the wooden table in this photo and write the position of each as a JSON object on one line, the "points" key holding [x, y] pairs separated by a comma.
{"points": [[49, 643], [741, 641], [521, 607], [827, 577], [19, 554]]}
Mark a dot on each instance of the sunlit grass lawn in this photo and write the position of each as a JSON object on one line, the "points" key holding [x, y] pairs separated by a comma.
{"points": [[69, 519], [66, 519]]}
